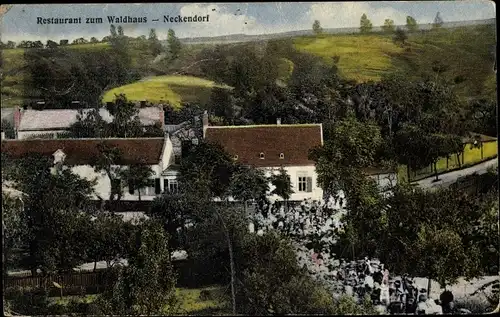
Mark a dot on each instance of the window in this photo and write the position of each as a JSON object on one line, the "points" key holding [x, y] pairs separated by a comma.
{"points": [[282, 156], [172, 185], [148, 190], [235, 157], [261, 155], [305, 184]]}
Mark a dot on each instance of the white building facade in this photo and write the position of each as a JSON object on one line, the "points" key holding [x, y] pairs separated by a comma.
{"points": [[79, 155], [271, 147]]}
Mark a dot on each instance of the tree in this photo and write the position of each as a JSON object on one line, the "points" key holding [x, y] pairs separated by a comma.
{"points": [[112, 30], [147, 285], [80, 40], [63, 42], [317, 27], [107, 163], [120, 30], [365, 24], [126, 122], [37, 44], [411, 24], [282, 184], [138, 176], [247, 184], [10, 45], [388, 26], [209, 167], [56, 211], [94, 40], [51, 44], [222, 104], [154, 44], [438, 21], [352, 147], [174, 44], [400, 36]]}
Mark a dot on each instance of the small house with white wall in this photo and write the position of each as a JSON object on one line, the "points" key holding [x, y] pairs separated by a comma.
{"points": [[50, 123], [80, 155], [270, 147]]}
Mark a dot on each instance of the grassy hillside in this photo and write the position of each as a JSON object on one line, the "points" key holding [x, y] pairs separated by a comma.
{"points": [[467, 53], [167, 88], [362, 57]]}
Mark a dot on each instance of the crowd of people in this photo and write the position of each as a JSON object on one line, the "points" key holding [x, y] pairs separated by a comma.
{"points": [[313, 228]]}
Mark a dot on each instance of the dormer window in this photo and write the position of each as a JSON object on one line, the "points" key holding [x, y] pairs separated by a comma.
{"points": [[59, 156], [261, 155], [282, 156], [235, 157]]}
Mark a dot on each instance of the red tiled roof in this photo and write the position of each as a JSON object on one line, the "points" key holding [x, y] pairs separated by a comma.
{"points": [[247, 142], [84, 151]]}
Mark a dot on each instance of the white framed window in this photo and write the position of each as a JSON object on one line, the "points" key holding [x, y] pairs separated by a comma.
{"points": [[261, 155], [173, 185], [235, 157], [282, 156], [305, 184]]}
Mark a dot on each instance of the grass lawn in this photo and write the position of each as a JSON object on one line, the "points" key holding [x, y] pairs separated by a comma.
{"points": [[168, 88], [362, 57], [189, 298]]}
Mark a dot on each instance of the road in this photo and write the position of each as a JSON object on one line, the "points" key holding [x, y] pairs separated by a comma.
{"points": [[447, 179]]}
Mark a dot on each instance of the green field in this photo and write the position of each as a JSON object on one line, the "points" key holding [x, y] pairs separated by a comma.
{"points": [[466, 52], [189, 299], [362, 57], [167, 88]]}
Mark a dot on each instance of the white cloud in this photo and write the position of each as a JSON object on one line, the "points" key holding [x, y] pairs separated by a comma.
{"points": [[348, 14], [221, 21]]}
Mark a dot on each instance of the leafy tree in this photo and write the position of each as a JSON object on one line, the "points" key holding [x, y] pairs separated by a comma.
{"points": [[137, 176], [89, 125], [400, 36], [154, 44], [63, 42], [388, 26], [80, 40], [272, 283], [438, 21], [174, 44], [147, 285], [107, 163], [37, 44], [352, 146], [111, 239], [126, 122], [112, 30], [51, 44], [411, 24], [94, 40], [120, 30], [248, 183], [222, 104], [10, 45], [56, 213], [282, 184], [207, 167], [365, 24], [317, 27]]}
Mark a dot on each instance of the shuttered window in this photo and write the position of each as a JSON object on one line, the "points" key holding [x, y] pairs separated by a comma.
{"points": [[157, 186], [131, 188]]}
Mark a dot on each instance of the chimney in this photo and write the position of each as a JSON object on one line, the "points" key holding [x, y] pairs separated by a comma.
{"points": [[205, 122], [278, 121], [162, 117], [143, 103]]}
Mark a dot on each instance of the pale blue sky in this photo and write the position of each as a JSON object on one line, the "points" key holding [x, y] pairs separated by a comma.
{"points": [[261, 18]]}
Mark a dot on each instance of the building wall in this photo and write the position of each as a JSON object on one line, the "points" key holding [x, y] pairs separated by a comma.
{"points": [[295, 172]]}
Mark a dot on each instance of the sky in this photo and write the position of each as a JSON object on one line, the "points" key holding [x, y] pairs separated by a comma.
{"points": [[20, 22]]}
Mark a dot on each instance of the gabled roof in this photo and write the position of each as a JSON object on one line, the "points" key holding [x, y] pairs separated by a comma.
{"points": [[248, 142], [56, 119], [85, 151]]}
